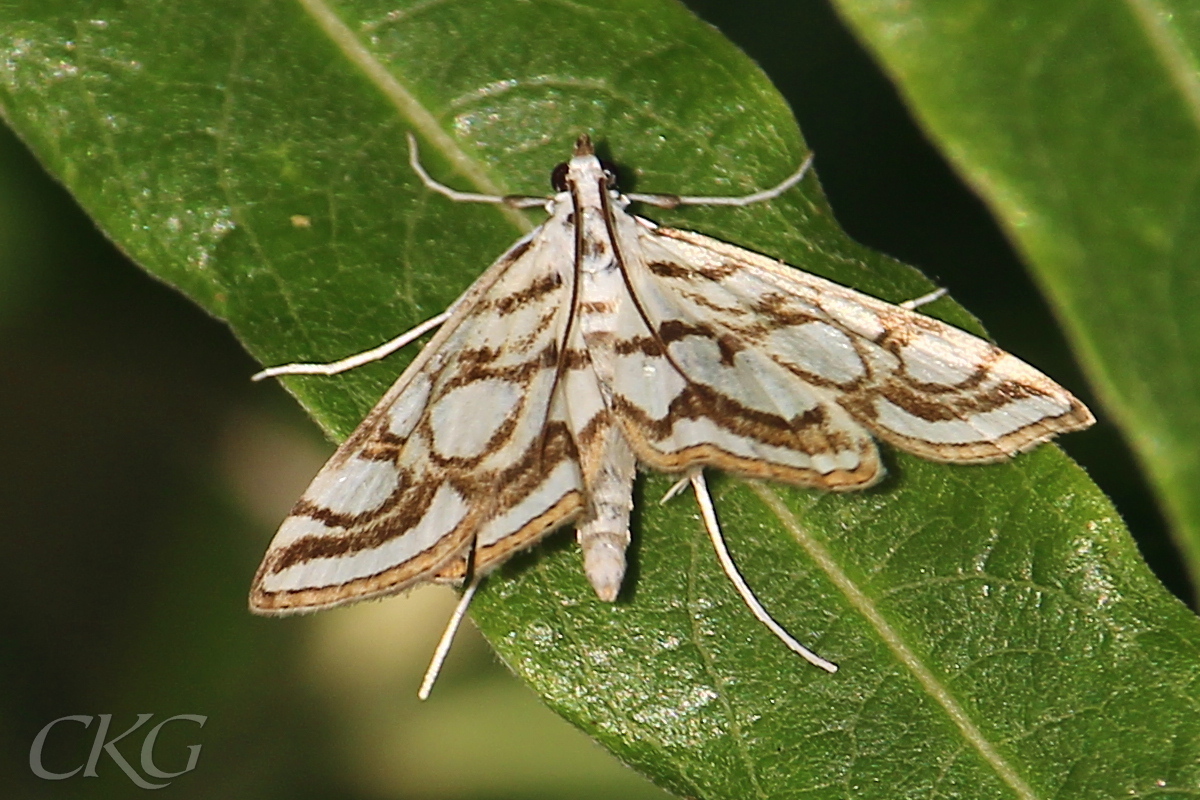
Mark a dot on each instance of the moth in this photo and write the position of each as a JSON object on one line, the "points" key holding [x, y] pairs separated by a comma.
{"points": [[600, 342]]}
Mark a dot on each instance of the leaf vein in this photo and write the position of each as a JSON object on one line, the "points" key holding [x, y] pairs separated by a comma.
{"points": [[405, 102], [895, 642]]}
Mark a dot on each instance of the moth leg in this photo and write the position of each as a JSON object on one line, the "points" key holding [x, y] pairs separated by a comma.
{"points": [[675, 200], [925, 299], [513, 200], [358, 359], [709, 514], [443, 645], [675, 489]]}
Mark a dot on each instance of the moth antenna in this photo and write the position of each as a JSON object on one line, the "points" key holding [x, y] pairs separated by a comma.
{"points": [[513, 200], [676, 200]]}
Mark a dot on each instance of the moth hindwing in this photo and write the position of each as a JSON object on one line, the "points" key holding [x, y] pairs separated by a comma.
{"points": [[601, 341]]}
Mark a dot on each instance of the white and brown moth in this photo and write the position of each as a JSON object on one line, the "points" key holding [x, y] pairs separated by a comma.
{"points": [[602, 341]]}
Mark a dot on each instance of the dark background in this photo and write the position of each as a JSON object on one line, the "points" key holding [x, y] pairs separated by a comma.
{"points": [[142, 476]]}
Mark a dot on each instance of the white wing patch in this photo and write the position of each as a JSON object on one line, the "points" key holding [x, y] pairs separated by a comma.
{"points": [[354, 487], [491, 401], [601, 341]]}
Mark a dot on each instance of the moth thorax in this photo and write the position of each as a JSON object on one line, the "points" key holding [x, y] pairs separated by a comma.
{"points": [[604, 560]]}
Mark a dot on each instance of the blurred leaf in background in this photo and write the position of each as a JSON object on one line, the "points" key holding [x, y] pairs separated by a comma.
{"points": [[122, 592], [997, 631], [1079, 125]]}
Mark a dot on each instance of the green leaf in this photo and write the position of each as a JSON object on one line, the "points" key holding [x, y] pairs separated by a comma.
{"points": [[998, 634], [1079, 124]]}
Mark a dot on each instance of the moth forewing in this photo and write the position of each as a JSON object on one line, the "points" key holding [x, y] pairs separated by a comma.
{"points": [[694, 388], [911, 380], [415, 484], [600, 341]]}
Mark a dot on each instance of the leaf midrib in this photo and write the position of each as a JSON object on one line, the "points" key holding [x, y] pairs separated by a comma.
{"points": [[892, 639], [406, 103], [1166, 44]]}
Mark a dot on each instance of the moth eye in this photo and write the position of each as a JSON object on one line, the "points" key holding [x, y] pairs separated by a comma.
{"points": [[558, 178], [610, 173]]}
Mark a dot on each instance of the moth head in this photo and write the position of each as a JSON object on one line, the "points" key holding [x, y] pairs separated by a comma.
{"points": [[587, 152], [558, 178]]}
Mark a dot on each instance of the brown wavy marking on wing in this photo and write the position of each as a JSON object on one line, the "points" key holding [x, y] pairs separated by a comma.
{"points": [[465, 436]]}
